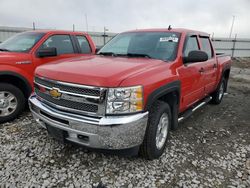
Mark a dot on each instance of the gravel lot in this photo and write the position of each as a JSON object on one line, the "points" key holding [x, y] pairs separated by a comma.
{"points": [[210, 149]]}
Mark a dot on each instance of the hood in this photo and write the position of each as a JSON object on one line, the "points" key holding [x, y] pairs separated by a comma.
{"points": [[96, 70], [14, 57]]}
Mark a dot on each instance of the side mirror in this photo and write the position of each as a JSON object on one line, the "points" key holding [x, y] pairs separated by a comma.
{"points": [[195, 56], [47, 52]]}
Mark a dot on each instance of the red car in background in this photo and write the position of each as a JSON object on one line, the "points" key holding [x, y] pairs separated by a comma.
{"points": [[22, 53]]}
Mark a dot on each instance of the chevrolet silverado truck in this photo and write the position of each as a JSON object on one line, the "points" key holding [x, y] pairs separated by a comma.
{"points": [[129, 95], [21, 54]]}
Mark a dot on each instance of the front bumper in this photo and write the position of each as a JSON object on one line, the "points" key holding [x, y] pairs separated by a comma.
{"points": [[110, 132]]}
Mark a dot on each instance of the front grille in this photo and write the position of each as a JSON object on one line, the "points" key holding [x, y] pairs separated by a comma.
{"points": [[70, 104], [72, 89]]}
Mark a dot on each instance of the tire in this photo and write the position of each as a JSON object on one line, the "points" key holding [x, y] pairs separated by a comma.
{"points": [[12, 102], [149, 148], [218, 95]]}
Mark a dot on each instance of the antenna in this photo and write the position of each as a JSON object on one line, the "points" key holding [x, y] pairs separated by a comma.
{"points": [[169, 27]]}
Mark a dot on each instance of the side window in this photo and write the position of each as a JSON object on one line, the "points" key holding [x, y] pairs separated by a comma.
{"points": [[191, 44], [206, 46], [62, 43], [84, 44]]}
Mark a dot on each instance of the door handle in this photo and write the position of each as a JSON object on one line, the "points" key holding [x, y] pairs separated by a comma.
{"points": [[202, 70], [215, 66]]}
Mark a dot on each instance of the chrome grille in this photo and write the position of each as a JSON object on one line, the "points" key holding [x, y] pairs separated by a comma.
{"points": [[65, 103], [74, 98], [72, 89]]}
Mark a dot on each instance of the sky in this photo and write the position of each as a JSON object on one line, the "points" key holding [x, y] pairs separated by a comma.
{"points": [[214, 17]]}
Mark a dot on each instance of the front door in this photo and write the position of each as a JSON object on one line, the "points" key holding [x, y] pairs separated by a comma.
{"points": [[191, 76], [64, 46]]}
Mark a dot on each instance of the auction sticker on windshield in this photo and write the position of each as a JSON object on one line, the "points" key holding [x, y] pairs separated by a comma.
{"points": [[169, 39]]}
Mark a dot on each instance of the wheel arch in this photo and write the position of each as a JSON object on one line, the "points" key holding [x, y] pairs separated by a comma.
{"points": [[17, 80], [169, 93], [225, 75]]}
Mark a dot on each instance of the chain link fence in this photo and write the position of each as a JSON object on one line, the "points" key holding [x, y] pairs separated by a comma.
{"points": [[235, 47]]}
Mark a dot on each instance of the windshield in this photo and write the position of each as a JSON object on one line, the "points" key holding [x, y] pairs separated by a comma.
{"points": [[21, 43], [156, 45]]}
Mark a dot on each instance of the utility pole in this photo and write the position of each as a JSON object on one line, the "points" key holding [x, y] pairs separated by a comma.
{"points": [[86, 20], [231, 30], [104, 35], [73, 27], [213, 36], [34, 26], [234, 43]]}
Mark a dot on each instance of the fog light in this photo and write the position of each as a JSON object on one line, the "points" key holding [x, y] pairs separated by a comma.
{"points": [[82, 137]]}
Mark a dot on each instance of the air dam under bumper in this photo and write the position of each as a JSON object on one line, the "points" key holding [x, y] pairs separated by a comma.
{"points": [[111, 132]]}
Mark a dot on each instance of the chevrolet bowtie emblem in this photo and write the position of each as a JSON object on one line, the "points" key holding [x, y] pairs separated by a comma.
{"points": [[55, 93]]}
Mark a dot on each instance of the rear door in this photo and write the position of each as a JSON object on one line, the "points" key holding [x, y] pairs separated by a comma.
{"points": [[191, 75], [210, 66], [83, 44]]}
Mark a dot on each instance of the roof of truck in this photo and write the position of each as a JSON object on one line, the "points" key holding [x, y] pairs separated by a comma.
{"points": [[179, 30]]}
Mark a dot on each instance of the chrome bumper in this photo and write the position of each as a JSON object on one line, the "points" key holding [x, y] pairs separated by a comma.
{"points": [[111, 132]]}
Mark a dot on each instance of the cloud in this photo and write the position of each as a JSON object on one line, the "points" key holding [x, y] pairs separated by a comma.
{"points": [[121, 15]]}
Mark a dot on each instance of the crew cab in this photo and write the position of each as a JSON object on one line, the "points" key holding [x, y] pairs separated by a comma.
{"points": [[140, 85], [22, 53]]}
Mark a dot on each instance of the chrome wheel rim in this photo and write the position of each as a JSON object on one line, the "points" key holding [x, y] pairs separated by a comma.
{"points": [[8, 103], [221, 91], [162, 131]]}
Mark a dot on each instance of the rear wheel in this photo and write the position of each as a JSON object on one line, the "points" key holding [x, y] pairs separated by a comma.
{"points": [[157, 132], [12, 102], [218, 95]]}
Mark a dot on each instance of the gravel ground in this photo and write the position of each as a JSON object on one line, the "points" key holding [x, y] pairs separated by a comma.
{"points": [[210, 149]]}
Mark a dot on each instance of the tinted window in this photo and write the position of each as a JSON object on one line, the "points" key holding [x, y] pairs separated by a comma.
{"points": [[84, 44], [156, 45], [206, 46], [22, 42], [62, 43], [191, 44]]}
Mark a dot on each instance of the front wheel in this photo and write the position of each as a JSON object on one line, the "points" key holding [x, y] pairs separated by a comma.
{"points": [[12, 102], [157, 132]]}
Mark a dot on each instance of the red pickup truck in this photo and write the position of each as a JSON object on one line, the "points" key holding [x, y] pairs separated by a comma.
{"points": [[21, 54], [129, 95]]}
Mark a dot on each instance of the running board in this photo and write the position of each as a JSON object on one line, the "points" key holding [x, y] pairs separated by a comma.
{"points": [[190, 111]]}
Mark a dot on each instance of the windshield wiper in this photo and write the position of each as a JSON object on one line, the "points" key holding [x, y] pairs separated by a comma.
{"points": [[138, 55], [4, 50], [107, 53], [128, 54]]}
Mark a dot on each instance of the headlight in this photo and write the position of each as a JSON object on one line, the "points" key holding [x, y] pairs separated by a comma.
{"points": [[125, 100]]}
